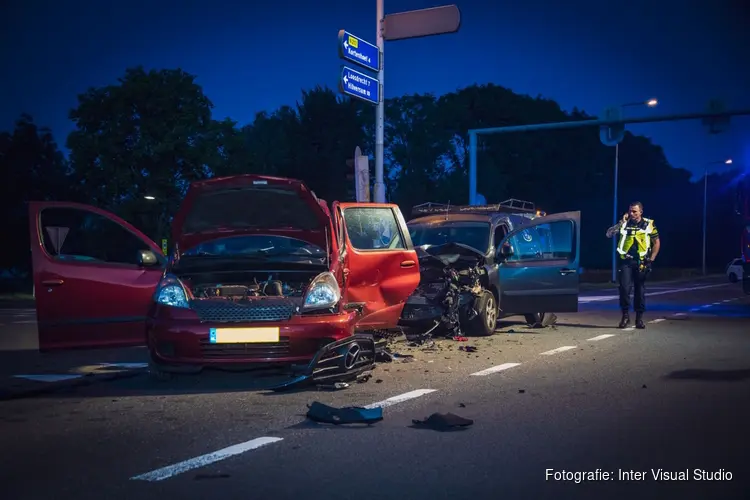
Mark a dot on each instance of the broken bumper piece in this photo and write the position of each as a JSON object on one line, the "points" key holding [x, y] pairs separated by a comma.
{"points": [[340, 361], [324, 414]]}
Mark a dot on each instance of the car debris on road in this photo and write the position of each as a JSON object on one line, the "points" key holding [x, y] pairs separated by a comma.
{"points": [[443, 422], [324, 414]]}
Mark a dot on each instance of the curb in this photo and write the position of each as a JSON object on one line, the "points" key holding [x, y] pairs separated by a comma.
{"points": [[84, 380]]}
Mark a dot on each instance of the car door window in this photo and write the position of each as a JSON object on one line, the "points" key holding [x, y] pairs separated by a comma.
{"points": [[551, 241], [75, 235], [500, 232], [373, 229]]}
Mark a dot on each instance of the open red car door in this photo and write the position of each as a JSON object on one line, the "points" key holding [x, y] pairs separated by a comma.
{"points": [[381, 267], [92, 287]]}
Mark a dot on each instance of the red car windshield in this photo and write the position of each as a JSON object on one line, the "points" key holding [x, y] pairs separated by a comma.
{"points": [[254, 245]]}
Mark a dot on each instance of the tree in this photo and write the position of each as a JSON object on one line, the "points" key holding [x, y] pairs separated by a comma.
{"points": [[34, 170], [150, 134]]}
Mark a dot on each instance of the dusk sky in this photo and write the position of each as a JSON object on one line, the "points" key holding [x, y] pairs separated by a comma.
{"points": [[251, 56]]}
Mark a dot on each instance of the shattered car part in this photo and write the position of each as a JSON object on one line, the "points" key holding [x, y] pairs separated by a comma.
{"points": [[341, 361], [321, 413], [442, 422], [453, 279]]}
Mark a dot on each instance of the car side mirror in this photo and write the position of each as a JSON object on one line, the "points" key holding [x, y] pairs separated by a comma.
{"points": [[147, 258], [504, 252]]}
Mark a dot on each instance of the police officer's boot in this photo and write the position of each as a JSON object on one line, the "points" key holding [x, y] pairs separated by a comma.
{"points": [[639, 321], [625, 321]]}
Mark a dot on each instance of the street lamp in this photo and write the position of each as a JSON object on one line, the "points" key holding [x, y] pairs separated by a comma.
{"points": [[651, 103], [149, 197], [705, 205]]}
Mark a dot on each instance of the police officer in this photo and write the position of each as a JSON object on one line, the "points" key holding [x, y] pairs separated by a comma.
{"points": [[637, 247]]}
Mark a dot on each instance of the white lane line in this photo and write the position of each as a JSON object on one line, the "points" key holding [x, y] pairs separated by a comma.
{"points": [[726, 300], [559, 349], [717, 303], [400, 398], [601, 337], [495, 369], [48, 377], [705, 306], [657, 320], [29, 322], [695, 309], [602, 298], [679, 314], [203, 460], [125, 365]]}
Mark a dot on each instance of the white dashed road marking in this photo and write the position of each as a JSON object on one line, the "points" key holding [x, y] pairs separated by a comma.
{"points": [[559, 349], [601, 337], [658, 320], [203, 460], [680, 314], [495, 369], [400, 398]]}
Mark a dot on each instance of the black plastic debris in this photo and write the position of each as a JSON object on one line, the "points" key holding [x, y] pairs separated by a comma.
{"points": [[341, 361], [467, 348], [443, 422], [521, 391], [324, 414]]}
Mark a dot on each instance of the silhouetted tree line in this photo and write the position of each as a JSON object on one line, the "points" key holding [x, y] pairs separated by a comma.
{"points": [[152, 133]]}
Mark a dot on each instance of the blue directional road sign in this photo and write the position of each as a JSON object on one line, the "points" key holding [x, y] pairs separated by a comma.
{"points": [[359, 85], [358, 51]]}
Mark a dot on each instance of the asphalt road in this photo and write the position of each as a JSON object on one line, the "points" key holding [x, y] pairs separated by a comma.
{"points": [[582, 397]]}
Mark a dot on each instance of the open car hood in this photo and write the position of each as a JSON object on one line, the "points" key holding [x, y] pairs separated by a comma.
{"points": [[449, 254], [250, 204]]}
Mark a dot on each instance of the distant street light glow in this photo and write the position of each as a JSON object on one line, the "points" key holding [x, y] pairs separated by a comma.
{"points": [[729, 161], [149, 197], [651, 103]]}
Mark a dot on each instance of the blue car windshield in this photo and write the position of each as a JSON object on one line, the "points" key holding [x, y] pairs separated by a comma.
{"points": [[473, 234], [237, 246]]}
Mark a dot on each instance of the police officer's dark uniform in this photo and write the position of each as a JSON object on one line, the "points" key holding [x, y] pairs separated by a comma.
{"points": [[635, 247]]}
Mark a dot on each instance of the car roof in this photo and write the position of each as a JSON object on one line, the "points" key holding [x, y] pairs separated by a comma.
{"points": [[492, 218]]}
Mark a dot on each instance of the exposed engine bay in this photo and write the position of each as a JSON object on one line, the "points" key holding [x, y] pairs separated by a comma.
{"points": [[273, 284], [240, 296], [453, 278]]}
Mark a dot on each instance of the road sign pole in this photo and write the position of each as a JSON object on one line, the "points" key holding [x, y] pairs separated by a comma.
{"points": [[379, 193]]}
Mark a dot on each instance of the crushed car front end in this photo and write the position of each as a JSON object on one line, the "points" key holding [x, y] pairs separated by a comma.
{"points": [[252, 280], [454, 283]]}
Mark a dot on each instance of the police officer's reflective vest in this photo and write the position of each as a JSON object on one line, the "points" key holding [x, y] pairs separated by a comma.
{"points": [[637, 234]]}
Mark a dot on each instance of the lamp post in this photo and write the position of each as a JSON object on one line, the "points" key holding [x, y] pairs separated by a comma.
{"points": [[651, 103], [705, 205]]}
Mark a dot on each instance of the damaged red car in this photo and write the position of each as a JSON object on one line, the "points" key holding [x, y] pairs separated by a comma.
{"points": [[260, 271]]}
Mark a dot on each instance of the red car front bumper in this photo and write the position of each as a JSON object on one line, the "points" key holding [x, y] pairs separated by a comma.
{"points": [[178, 337]]}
